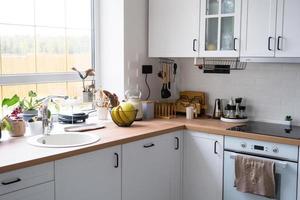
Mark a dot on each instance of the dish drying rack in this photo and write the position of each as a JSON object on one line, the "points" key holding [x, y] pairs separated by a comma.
{"points": [[225, 63]]}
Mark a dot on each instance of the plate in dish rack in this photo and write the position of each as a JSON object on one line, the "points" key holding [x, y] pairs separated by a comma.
{"points": [[234, 120]]}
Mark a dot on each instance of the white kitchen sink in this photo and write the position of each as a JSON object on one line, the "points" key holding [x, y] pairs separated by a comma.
{"points": [[63, 140]]}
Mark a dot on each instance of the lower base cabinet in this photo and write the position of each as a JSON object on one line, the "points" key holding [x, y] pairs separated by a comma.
{"points": [[172, 166], [90, 176], [151, 168], [202, 166], [40, 192]]}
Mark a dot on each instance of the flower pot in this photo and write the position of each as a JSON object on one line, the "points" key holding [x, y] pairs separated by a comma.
{"points": [[87, 97], [288, 123], [29, 114], [18, 128], [36, 128]]}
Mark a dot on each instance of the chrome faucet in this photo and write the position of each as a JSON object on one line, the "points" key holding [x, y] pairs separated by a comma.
{"points": [[47, 125]]}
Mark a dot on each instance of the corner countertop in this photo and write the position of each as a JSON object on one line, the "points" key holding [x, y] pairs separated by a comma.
{"points": [[16, 153]]}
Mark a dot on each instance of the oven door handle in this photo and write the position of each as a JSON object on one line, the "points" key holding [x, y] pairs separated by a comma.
{"points": [[281, 164]]}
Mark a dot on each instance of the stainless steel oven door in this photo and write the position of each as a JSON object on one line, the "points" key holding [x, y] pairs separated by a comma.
{"points": [[286, 180]]}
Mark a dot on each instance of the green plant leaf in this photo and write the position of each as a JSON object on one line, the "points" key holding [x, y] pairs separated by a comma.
{"points": [[10, 101], [32, 94], [5, 124], [79, 73]]}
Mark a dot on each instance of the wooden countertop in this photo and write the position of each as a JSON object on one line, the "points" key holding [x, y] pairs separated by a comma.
{"points": [[16, 153]]}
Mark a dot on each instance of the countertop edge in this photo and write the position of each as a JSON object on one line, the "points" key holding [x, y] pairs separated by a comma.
{"points": [[87, 149], [174, 125]]}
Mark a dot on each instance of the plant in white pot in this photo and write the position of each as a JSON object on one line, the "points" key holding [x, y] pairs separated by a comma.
{"points": [[88, 90], [17, 126]]}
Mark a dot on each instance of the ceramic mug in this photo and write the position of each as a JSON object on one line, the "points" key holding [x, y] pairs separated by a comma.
{"points": [[190, 112]]}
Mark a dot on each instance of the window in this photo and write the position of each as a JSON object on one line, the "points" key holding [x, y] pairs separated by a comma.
{"points": [[40, 41]]}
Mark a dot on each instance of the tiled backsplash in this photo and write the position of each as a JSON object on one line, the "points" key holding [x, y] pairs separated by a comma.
{"points": [[272, 90]]}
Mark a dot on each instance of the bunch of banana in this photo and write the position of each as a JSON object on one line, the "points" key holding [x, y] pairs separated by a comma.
{"points": [[124, 114]]}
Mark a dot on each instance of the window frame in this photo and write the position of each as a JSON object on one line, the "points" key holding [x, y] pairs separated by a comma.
{"points": [[52, 77]]}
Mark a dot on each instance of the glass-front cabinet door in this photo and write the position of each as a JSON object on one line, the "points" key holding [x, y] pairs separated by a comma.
{"points": [[220, 28]]}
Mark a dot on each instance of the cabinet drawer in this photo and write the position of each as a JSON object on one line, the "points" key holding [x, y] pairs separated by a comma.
{"points": [[40, 192], [23, 178]]}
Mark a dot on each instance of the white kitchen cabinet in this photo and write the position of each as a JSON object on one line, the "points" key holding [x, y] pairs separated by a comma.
{"points": [[173, 28], [220, 28], [90, 176], [26, 177], [152, 168], [270, 28], [202, 166], [40, 192], [258, 28], [288, 28]]}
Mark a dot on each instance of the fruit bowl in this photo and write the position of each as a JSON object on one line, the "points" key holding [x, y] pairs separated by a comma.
{"points": [[123, 118]]}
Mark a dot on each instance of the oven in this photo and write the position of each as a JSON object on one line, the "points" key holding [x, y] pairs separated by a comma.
{"points": [[284, 156]]}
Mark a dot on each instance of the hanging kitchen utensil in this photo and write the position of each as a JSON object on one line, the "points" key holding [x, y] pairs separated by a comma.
{"points": [[165, 93], [169, 76], [174, 71]]}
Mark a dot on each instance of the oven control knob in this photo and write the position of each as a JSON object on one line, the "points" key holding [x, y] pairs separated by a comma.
{"points": [[275, 150], [243, 145]]}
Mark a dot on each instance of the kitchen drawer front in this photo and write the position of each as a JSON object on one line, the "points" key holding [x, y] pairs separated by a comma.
{"points": [[40, 192], [23, 178]]}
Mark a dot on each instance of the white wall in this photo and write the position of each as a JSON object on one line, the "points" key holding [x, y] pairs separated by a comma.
{"points": [[272, 90], [136, 49], [122, 49], [110, 45]]}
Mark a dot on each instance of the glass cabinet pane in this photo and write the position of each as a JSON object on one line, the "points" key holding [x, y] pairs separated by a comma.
{"points": [[212, 7], [211, 37], [227, 6], [227, 33]]}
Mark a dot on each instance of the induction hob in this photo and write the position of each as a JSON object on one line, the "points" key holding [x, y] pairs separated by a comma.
{"points": [[278, 130]]}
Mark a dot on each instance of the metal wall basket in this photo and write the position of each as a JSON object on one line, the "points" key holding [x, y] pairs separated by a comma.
{"points": [[211, 63]]}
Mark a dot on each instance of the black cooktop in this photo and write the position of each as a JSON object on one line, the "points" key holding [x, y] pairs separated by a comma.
{"points": [[263, 128]]}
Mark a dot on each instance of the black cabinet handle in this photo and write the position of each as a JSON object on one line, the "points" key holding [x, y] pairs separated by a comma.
{"points": [[269, 43], [16, 180], [177, 143], [234, 44], [117, 160], [215, 147], [194, 45], [149, 145], [278, 43]]}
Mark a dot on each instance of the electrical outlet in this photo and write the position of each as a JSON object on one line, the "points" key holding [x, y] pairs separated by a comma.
{"points": [[146, 69]]}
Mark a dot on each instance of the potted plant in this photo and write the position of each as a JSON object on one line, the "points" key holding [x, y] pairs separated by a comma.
{"points": [[288, 120], [16, 123], [30, 106], [88, 91]]}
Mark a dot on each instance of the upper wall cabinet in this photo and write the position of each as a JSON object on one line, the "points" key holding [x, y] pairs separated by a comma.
{"points": [[288, 28], [174, 28], [270, 28], [258, 28], [220, 28]]}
